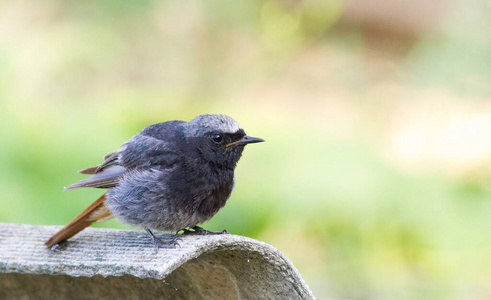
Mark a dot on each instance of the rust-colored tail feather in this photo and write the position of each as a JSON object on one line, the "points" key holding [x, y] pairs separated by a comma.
{"points": [[97, 211]]}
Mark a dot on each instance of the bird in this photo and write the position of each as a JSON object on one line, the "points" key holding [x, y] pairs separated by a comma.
{"points": [[171, 176]]}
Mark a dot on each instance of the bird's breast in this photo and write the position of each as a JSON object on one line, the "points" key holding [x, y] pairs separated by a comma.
{"points": [[217, 194]]}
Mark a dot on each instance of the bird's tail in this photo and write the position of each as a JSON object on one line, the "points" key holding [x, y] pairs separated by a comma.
{"points": [[97, 211]]}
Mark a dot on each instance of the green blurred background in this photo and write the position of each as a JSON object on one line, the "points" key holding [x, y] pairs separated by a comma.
{"points": [[375, 178]]}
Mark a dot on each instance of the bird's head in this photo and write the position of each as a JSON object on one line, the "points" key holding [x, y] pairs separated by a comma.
{"points": [[218, 138]]}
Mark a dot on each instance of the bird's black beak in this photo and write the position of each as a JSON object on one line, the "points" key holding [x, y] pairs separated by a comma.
{"points": [[245, 140]]}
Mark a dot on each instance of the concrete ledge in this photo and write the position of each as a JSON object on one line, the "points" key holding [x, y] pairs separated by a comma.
{"points": [[121, 264]]}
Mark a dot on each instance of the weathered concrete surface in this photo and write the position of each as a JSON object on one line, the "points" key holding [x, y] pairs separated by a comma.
{"points": [[121, 264]]}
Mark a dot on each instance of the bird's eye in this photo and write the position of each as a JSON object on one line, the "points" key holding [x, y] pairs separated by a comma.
{"points": [[216, 138]]}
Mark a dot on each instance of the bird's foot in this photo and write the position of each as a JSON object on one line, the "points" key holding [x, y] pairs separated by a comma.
{"points": [[200, 231], [167, 243]]}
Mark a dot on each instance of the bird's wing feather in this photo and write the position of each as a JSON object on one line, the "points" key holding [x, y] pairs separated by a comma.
{"points": [[107, 178], [90, 170], [110, 159]]}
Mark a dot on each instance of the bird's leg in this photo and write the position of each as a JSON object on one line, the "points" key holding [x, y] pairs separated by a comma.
{"points": [[200, 231], [168, 243]]}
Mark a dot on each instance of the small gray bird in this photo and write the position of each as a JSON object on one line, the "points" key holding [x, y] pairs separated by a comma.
{"points": [[171, 176]]}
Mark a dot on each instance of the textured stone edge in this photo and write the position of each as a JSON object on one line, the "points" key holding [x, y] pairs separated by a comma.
{"points": [[111, 252]]}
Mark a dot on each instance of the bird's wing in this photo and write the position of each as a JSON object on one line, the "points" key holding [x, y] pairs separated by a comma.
{"points": [[154, 147], [106, 175]]}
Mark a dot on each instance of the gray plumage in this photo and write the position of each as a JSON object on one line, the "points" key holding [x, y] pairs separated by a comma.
{"points": [[172, 175]]}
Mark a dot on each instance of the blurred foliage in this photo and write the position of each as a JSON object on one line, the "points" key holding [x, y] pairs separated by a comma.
{"points": [[77, 79]]}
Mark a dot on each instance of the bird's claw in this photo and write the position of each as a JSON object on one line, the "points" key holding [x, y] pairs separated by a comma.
{"points": [[168, 243], [200, 231]]}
